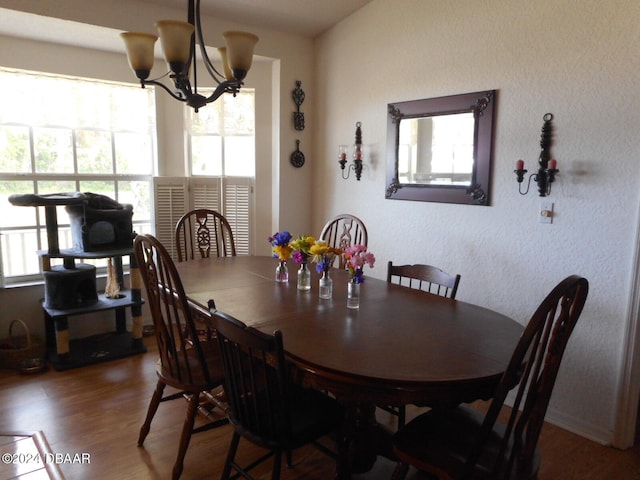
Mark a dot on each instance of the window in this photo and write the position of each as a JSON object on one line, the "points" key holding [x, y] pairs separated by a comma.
{"points": [[222, 136], [221, 148], [62, 134]]}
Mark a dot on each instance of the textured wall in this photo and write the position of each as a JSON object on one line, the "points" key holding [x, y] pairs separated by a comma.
{"points": [[576, 59]]}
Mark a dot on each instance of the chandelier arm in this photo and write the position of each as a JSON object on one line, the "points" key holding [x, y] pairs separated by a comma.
{"points": [[215, 74], [158, 78], [228, 86], [164, 87]]}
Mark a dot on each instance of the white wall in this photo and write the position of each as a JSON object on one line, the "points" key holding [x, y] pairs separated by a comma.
{"points": [[576, 59]]}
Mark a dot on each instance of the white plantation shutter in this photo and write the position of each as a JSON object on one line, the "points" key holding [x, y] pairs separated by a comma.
{"points": [[171, 202], [205, 193], [174, 196], [238, 211]]}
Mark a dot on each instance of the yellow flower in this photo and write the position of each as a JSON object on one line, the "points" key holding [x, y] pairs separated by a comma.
{"points": [[282, 251], [302, 244], [319, 248]]}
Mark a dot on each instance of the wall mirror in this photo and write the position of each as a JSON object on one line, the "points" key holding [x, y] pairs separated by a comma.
{"points": [[439, 149]]}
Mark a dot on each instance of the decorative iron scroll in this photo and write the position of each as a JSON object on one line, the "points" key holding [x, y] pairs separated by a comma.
{"points": [[298, 97]]}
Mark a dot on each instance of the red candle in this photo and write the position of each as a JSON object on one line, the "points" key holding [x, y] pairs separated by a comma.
{"points": [[520, 165], [553, 164]]}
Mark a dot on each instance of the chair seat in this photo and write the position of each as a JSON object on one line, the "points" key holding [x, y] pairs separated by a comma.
{"points": [[440, 441], [199, 382], [312, 414]]}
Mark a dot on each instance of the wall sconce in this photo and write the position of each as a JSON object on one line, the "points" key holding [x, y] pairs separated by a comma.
{"points": [[547, 166], [356, 165]]}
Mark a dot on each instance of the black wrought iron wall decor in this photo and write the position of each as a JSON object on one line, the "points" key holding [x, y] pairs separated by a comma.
{"points": [[440, 149], [357, 164], [298, 99], [297, 157], [546, 165]]}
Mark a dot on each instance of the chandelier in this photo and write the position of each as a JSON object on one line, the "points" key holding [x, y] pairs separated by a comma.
{"points": [[178, 40]]}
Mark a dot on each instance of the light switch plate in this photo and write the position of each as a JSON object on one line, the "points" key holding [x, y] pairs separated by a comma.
{"points": [[545, 215]]}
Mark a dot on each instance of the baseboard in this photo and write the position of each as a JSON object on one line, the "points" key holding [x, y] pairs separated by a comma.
{"points": [[579, 427], [573, 425]]}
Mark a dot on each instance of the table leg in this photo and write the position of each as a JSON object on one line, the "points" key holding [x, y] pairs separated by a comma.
{"points": [[366, 438]]}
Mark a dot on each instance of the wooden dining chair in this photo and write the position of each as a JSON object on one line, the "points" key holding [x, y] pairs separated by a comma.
{"points": [[422, 277], [462, 443], [265, 406], [203, 232], [187, 364], [343, 231]]}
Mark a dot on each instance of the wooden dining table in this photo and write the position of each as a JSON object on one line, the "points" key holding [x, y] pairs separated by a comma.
{"points": [[402, 346]]}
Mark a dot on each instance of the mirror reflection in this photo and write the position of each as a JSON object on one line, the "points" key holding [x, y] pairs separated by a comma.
{"points": [[436, 150]]}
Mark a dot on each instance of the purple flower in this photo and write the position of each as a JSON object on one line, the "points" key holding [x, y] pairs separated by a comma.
{"points": [[298, 256], [279, 239], [320, 267], [358, 275]]}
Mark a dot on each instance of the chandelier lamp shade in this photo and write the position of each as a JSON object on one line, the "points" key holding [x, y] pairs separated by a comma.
{"points": [[178, 40]]}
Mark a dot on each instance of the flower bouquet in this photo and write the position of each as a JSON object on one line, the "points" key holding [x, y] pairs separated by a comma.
{"points": [[301, 248], [282, 251], [357, 257], [324, 255]]}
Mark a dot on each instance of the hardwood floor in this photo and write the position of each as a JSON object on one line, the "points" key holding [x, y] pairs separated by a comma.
{"points": [[98, 410]]}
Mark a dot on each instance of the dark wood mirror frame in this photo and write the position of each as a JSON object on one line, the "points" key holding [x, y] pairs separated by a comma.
{"points": [[481, 104]]}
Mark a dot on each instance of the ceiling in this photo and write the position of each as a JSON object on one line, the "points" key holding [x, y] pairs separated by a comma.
{"points": [[308, 18], [303, 17]]}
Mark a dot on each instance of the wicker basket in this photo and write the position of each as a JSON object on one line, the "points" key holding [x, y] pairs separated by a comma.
{"points": [[16, 349]]}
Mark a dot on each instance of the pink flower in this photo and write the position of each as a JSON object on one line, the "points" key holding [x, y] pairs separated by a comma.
{"points": [[357, 257]]}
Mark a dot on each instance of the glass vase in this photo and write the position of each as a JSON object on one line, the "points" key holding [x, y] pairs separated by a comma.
{"points": [[282, 272], [304, 277], [353, 294], [326, 285]]}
